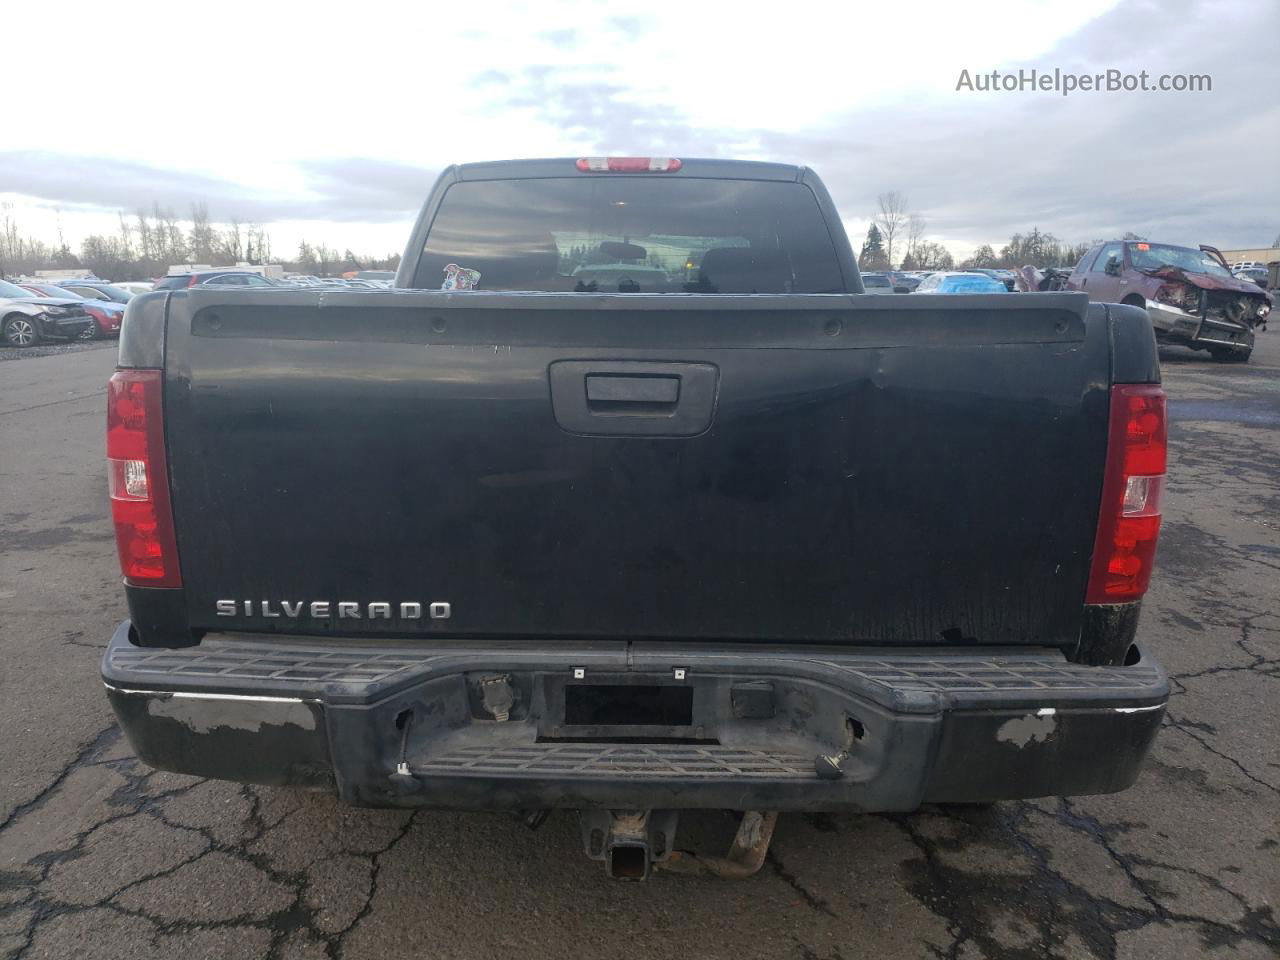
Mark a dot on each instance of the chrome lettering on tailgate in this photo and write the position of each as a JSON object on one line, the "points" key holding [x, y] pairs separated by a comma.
{"points": [[332, 609]]}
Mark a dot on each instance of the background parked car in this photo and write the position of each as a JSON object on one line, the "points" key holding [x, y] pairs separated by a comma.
{"points": [[1190, 295], [903, 282], [107, 314], [1007, 277], [26, 319], [97, 290], [135, 286], [955, 281], [1257, 275], [216, 278]]}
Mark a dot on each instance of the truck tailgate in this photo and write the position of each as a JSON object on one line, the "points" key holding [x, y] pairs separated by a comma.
{"points": [[887, 470]]}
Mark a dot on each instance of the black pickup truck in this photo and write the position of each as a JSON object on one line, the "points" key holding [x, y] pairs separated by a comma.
{"points": [[650, 508]]}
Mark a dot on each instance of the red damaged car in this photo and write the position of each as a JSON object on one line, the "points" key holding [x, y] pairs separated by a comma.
{"points": [[1190, 295], [107, 314]]}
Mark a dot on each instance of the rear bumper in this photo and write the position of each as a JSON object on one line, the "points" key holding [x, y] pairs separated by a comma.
{"points": [[939, 725]]}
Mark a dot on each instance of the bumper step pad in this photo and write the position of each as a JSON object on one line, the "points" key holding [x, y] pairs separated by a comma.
{"points": [[615, 760]]}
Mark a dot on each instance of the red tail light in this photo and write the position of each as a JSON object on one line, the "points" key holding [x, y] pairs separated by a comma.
{"points": [[191, 280], [629, 164], [138, 480], [1129, 520]]}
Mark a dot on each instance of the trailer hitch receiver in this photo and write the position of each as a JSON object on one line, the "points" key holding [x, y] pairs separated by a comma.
{"points": [[629, 842]]}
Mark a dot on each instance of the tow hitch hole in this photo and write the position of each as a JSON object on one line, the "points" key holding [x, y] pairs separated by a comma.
{"points": [[856, 728], [628, 863], [1132, 656], [403, 718]]}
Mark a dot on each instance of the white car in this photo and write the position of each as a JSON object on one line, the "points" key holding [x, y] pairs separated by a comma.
{"points": [[1258, 275], [134, 286]]}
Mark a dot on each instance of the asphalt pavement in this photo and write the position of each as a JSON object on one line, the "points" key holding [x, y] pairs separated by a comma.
{"points": [[102, 857]]}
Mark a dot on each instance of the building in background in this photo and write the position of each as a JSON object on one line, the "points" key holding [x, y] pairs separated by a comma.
{"points": [[1263, 255]]}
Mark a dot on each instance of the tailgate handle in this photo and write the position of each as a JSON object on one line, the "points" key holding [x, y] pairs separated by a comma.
{"points": [[613, 392], [633, 398]]}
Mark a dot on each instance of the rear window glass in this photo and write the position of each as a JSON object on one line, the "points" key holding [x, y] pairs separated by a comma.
{"points": [[171, 283], [605, 234]]}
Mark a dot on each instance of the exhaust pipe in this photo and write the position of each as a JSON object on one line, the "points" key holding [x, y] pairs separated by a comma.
{"points": [[746, 854]]}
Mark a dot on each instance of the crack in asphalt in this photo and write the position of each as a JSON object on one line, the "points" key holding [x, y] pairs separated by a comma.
{"points": [[1199, 731], [1260, 924], [1188, 728], [1246, 627], [807, 952], [129, 796], [95, 745], [375, 861], [281, 924], [812, 899], [51, 403], [1054, 903]]}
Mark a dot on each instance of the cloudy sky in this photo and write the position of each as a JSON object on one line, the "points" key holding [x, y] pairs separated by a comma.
{"points": [[329, 121]]}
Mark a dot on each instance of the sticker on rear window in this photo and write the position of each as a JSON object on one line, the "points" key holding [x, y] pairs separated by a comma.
{"points": [[460, 278]]}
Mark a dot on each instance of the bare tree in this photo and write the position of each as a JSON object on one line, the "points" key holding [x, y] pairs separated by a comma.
{"points": [[984, 256], [21, 254], [168, 236], [916, 225], [307, 261], [230, 243], [890, 219], [257, 244], [325, 257], [150, 240], [934, 256], [202, 234], [126, 239], [104, 256]]}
